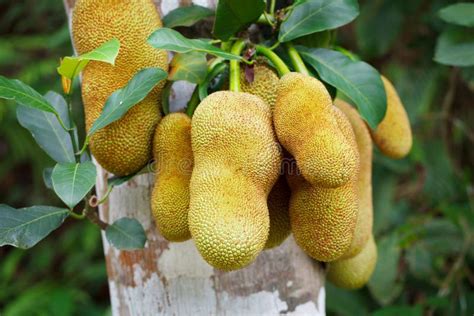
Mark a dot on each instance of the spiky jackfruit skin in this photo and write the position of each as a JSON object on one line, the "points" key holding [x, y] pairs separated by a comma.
{"points": [[363, 228], [355, 272], [306, 127], [393, 135], [323, 219], [236, 163], [278, 208], [264, 83], [123, 147], [174, 165]]}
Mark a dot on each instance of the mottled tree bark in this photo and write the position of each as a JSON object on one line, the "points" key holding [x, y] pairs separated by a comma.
{"points": [[172, 279]]}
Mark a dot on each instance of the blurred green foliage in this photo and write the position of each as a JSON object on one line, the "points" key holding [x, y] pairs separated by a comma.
{"points": [[423, 204], [65, 274]]}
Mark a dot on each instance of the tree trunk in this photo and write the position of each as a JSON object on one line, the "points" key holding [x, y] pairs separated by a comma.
{"points": [[172, 279]]}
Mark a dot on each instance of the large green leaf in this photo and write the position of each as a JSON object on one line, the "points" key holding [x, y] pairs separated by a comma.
{"points": [[165, 38], [397, 310], [191, 67], [72, 181], [25, 227], [459, 13], [383, 284], [46, 130], [234, 15], [312, 16], [186, 16], [356, 79], [23, 94], [126, 233], [455, 47], [123, 99], [72, 66]]}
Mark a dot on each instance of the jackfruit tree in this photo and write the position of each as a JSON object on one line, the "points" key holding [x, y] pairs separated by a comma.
{"points": [[274, 139]]}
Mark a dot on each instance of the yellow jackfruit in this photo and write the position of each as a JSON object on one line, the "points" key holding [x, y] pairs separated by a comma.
{"points": [[174, 165], [355, 272], [278, 204], [306, 127], [393, 135], [323, 219], [123, 147], [264, 83], [236, 163], [363, 228]]}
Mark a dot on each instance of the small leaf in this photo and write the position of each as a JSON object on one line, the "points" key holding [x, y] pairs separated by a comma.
{"points": [[455, 47], [123, 99], [234, 15], [356, 79], [186, 16], [191, 67], [24, 228], [459, 13], [46, 130], [126, 234], [72, 181], [72, 66], [165, 38], [23, 94], [312, 16], [47, 173], [383, 284]]}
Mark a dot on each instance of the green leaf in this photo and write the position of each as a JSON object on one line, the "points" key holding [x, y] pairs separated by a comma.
{"points": [[312, 16], [46, 130], [165, 38], [356, 79], [459, 13], [123, 99], [383, 284], [72, 181], [455, 47], [72, 66], [234, 15], [378, 26], [191, 67], [344, 303], [25, 227], [186, 16], [126, 234], [416, 310], [47, 173], [420, 261], [23, 94]]}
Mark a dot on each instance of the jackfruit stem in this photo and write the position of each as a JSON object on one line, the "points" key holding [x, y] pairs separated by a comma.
{"points": [[165, 98], [279, 64], [234, 77], [296, 59], [193, 102]]}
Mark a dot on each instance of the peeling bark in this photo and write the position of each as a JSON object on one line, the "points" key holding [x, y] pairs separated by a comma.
{"points": [[172, 279]]}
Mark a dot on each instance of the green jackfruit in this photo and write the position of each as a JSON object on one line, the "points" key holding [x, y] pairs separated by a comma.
{"points": [[393, 135], [355, 272], [174, 165], [236, 163], [306, 126], [323, 219], [123, 147], [363, 228]]}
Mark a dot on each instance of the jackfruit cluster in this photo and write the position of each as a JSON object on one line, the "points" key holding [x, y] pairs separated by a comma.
{"points": [[124, 146]]}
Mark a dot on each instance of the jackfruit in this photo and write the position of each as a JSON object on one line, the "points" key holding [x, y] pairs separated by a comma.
{"points": [[278, 204], [124, 146], [174, 165], [306, 127], [355, 272], [323, 219], [393, 135], [264, 83], [363, 228], [236, 163]]}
